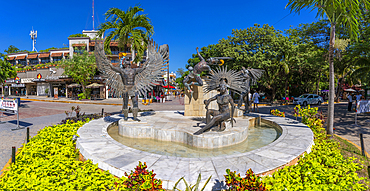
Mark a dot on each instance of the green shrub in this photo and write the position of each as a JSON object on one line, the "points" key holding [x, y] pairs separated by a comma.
{"points": [[49, 162], [324, 168]]}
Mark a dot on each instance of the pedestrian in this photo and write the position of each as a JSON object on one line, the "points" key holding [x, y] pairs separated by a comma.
{"points": [[255, 100], [358, 98], [349, 97]]}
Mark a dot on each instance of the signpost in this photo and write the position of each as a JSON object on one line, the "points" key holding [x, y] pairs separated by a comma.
{"points": [[10, 106]]}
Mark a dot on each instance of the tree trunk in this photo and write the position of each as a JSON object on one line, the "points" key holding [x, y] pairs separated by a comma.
{"points": [[273, 94], [318, 83], [84, 90], [286, 86], [330, 123]]}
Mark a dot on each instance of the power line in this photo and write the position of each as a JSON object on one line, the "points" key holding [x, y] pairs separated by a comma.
{"points": [[282, 18]]}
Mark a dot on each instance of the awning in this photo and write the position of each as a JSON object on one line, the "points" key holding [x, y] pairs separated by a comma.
{"points": [[10, 58], [157, 84], [167, 87], [32, 56], [20, 57], [82, 44], [74, 85], [94, 85], [113, 44], [350, 90], [44, 55], [56, 54]]}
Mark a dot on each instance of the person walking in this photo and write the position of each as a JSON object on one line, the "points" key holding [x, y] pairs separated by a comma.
{"points": [[255, 98], [349, 97], [358, 98]]}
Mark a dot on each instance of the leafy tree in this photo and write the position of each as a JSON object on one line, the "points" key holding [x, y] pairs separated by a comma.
{"points": [[339, 13], [13, 49], [78, 35], [6, 71], [260, 47], [128, 27], [180, 71], [82, 68], [52, 48]]}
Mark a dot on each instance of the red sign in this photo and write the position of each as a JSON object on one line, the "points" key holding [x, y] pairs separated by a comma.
{"points": [[17, 80], [39, 76]]}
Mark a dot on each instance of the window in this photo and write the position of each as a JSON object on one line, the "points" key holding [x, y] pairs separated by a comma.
{"points": [[57, 58], [34, 61], [45, 60], [309, 97], [23, 62]]}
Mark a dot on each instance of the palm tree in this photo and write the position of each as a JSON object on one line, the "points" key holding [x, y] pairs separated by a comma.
{"points": [[338, 12], [128, 27]]}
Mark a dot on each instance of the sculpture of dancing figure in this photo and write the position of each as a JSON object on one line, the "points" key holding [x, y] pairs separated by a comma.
{"points": [[250, 78], [221, 80], [130, 82], [203, 65], [223, 113]]}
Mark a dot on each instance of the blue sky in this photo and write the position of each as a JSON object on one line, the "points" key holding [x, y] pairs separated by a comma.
{"points": [[183, 25]]}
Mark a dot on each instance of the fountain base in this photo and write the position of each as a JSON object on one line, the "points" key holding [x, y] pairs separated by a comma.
{"points": [[175, 127]]}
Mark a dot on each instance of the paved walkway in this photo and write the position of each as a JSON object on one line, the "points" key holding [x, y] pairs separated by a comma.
{"points": [[38, 112], [344, 122]]}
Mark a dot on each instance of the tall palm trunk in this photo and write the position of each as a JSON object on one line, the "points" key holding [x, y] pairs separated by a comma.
{"points": [[329, 128], [318, 83]]}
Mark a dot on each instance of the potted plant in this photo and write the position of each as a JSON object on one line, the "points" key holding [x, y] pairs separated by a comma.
{"points": [[47, 92]]}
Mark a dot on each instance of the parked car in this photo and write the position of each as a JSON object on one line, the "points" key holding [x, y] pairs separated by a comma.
{"points": [[308, 99]]}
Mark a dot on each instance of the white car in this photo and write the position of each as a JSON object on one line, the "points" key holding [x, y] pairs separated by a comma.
{"points": [[308, 99]]}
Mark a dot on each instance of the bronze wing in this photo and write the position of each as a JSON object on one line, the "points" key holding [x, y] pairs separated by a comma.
{"points": [[112, 78], [153, 68], [254, 74]]}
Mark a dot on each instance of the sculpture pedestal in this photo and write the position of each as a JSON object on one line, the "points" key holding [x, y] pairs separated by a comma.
{"points": [[194, 106]]}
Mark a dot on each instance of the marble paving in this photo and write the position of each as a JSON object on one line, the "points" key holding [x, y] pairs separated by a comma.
{"points": [[95, 144]]}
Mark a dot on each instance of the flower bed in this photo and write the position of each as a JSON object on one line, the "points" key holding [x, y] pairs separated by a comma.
{"points": [[322, 169]]}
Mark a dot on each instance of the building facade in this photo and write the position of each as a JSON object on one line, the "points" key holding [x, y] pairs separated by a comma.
{"points": [[37, 73]]}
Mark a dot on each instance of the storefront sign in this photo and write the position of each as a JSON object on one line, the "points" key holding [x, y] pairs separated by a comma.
{"points": [[363, 106], [18, 85], [38, 78], [9, 104], [9, 81], [17, 80], [26, 80]]}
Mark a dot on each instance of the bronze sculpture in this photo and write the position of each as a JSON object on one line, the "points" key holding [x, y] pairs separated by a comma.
{"points": [[203, 65], [221, 80], [130, 82], [250, 78]]}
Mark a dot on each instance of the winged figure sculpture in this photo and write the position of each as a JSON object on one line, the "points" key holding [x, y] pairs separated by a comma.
{"points": [[130, 82], [251, 76]]}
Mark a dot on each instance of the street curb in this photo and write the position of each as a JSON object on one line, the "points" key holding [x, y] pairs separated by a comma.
{"points": [[367, 154], [27, 99]]}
